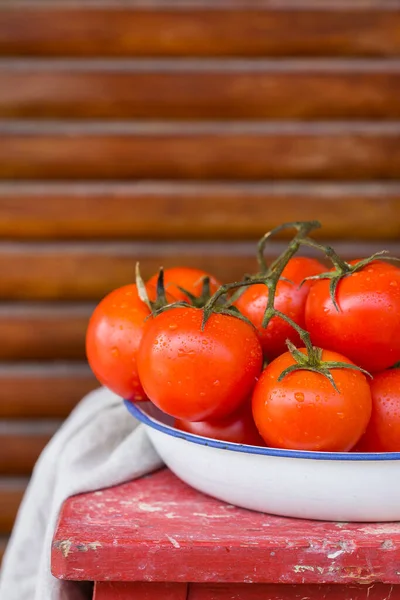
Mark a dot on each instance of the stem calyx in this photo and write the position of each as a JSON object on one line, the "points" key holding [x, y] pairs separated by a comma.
{"points": [[203, 298], [342, 269], [312, 361], [161, 302]]}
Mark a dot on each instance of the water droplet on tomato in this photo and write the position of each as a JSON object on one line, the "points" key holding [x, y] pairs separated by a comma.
{"points": [[173, 326], [115, 352], [340, 415], [202, 394], [216, 382], [299, 396], [393, 283]]}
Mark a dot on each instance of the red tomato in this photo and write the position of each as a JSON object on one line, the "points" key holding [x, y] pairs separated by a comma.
{"points": [[305, 412], [187, 278], [237, 428], [198, 375], [112, 340], [383, 431], [290, 299], [367, 326]]}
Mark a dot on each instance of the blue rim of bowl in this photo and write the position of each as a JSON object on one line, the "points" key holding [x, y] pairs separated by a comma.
{"points": [[139, 412]]}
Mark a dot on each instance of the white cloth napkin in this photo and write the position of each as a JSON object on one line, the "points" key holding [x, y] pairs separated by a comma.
{"points": [[98, 446]]}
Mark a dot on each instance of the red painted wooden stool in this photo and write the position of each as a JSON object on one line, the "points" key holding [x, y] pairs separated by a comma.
{"points": [[158, 539]]}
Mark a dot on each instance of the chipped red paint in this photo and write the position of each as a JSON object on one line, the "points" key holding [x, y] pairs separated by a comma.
{"points": [[157, 529]]}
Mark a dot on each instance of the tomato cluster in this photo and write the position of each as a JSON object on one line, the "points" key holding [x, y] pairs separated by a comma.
{"points": [[298, 357]]}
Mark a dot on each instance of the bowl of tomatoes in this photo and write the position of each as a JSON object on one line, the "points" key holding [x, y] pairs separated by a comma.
{"points": [[278, 393]]}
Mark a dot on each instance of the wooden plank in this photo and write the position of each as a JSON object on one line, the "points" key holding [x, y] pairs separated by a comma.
{"points": [[43, 391], [176, 210], [200, 28], [244, 591], [189, 537], [317, 89], [204, 151], [43, 332], [22, 443], [89, 271], [11, 493]]}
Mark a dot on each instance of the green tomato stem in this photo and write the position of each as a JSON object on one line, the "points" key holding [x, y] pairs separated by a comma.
{"points": [[270, 276]]}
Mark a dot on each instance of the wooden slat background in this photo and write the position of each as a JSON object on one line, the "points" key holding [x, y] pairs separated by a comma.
{"points": [[215, 150], [11, 491], [21, 443], [204, 28], [206, 89], [3, 543], [45, 390], [194, 210], [173, 131]]}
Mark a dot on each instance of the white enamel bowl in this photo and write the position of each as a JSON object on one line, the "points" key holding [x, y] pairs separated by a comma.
{"points": [[313, 485]]}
